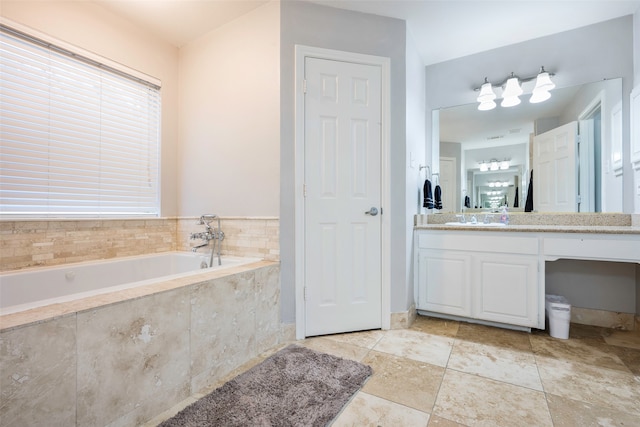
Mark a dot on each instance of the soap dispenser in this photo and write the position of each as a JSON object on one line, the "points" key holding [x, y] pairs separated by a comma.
{"points": [[504, 216]]}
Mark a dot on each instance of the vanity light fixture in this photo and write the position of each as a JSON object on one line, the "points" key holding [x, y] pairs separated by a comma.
{"points": [[512, 90], [504, 165]]}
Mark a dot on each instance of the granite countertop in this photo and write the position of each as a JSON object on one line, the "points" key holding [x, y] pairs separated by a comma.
{"points": [[596, 223], [600, 229]]}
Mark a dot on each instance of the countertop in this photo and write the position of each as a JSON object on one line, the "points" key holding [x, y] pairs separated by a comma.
{"points": [[599, 229], [594, 223]]}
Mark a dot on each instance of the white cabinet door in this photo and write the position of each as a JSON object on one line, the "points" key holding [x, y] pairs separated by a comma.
{"points": [[444, 282], [506, 288]]}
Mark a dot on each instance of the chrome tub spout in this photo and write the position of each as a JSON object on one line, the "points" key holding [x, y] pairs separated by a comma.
{"points": [[208, 235]]}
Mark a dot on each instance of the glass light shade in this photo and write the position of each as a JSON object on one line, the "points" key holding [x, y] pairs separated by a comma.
{"points": [[485, 106], [543, 82], [539, 96], [484, 167], [486, 93], [494, 165], [511, 93], [512, 88], [510, 101], [504, 164]]}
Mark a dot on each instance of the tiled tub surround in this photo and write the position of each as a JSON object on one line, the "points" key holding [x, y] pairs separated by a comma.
{"points": [[30, 243], [248, 237], [37, 287], [121, 358]]}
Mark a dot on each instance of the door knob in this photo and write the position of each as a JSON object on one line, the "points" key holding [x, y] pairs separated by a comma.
{"points": [[372, 212]]}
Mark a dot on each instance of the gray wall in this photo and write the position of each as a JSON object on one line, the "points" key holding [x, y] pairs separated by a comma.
{"points": [[319, 26], [594, 284], [584, 55], [636, 47]]}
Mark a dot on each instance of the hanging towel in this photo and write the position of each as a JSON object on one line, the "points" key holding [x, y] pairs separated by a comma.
{"points": [[467, 202], [437, 194], [515, 199], [428, 195], [528, 205]]}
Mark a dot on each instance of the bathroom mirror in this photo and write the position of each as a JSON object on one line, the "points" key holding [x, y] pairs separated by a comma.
{"points": [[511, 137]]}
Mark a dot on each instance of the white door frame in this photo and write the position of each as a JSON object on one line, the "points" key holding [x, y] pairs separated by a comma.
{"points": [[302, 52]]}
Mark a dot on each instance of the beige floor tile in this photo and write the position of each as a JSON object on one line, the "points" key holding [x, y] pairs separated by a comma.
{"points": [[335, 348], [495, 337], [366, 339], [436, 421], [404, 381], [498, 363], [571, 413], [417, 346], [631, 358], [616, 389], [367, 410], [476, 401], [588, 351], [626, 339], [435, 326]]}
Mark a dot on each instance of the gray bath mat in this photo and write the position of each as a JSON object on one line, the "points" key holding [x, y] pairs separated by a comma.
{"points": [[294, 387]]}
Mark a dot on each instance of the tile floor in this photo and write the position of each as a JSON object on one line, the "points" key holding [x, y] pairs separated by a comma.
{"points": [[447, 373]]}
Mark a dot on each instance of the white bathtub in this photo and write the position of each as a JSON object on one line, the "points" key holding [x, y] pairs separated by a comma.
{"points": [[38, 287]]}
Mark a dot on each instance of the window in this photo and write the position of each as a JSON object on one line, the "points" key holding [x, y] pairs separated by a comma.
{"points": [[78, 137]]}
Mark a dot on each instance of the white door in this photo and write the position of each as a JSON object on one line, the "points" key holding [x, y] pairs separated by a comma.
{"points": [[342, 242], [448, 184], [555, 176]]}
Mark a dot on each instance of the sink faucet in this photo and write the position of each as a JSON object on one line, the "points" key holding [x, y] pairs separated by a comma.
{"points": [[208, 235], [487, 218]]}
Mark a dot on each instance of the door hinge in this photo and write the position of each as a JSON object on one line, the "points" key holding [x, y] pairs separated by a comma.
{"points": [[304, 86], [304, 190], [380, 210], [304, 293]]}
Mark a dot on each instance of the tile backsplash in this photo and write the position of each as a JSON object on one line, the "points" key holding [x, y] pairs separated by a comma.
{"points": [[31, 243]]}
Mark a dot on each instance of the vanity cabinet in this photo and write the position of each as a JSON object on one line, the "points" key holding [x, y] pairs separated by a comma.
{"points": [[490, 277], [448, 288]]}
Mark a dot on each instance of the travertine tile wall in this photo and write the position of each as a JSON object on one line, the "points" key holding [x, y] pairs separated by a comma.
{"points": [[52, 242], [250, 237]]}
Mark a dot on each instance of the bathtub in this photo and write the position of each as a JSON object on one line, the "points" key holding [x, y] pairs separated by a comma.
{"points": [[39, 287], [129, 351]]}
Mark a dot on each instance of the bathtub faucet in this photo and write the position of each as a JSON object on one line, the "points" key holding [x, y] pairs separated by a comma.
{"points": [[210, 234]]}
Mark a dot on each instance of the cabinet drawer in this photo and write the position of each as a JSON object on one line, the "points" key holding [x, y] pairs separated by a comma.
{"points": [[481, 241], [617, 248]]}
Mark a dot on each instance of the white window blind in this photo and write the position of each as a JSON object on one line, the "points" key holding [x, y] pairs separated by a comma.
{"points": [[77, 138]]}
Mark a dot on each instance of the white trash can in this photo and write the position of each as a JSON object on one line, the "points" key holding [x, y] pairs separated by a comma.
{"points": [[558, 310]]}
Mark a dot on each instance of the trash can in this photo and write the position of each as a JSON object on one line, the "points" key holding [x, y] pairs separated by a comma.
{"points": [[558, 310]]}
